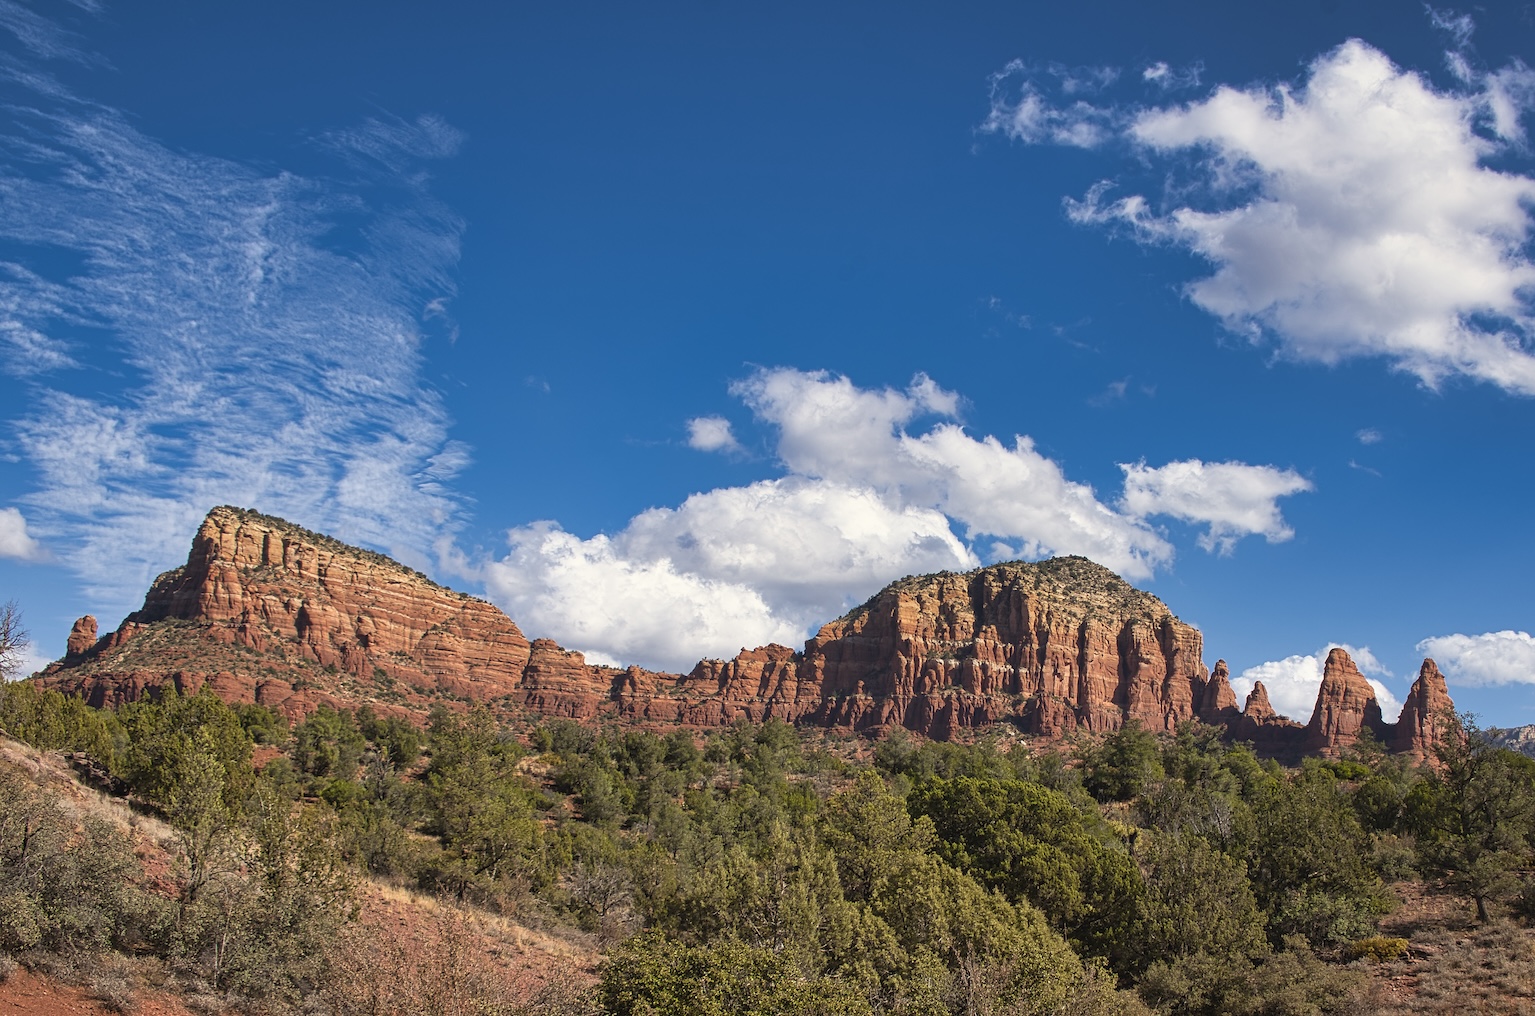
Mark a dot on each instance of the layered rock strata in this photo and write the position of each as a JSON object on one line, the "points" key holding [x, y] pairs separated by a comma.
{"points": [[1054, 647], [267, 612]]}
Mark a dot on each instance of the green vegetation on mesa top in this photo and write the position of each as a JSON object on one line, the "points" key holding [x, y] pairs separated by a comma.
{"points": [[1072, 581], [756, 870]]}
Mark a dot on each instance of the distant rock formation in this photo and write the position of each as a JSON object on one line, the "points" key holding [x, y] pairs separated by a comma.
{"points": [[1219, 703], [1345, 704], [268, 612], [1257, 710], [1055, 646], [1428, 708], [81, 637], [1270, 733], [1520, 739]]}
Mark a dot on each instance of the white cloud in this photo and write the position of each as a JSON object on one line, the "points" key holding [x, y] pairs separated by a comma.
{"points": [[831, 429], [1497, 657], [1293, 682], [32, 660], [589, 596], [868, 498], [1352, 215], [1167, 79], [15, 541], [1232, 498], [733, 567], [1369, 436], [712, 434], [1021, 109], [264, 359]]}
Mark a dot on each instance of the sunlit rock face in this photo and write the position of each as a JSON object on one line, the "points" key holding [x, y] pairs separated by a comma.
{"points": [[264, 611], [1054, 646]]}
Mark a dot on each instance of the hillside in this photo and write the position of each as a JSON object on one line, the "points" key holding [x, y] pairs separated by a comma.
{"points": [[418, 944]]}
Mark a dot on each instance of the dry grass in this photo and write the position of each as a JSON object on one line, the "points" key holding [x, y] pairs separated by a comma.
{"points": [[1452, 965], [1491, 970], [566, 946], [447, 962]]}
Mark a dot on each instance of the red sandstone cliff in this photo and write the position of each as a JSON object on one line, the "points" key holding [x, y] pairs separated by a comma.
{"points": [[265, 611], [269, 612], [1056, 645]]}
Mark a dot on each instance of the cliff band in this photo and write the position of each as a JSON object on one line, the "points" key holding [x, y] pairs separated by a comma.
{"points": [[264, 611]]}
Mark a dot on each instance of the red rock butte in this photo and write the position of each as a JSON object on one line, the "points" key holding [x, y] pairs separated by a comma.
{"points": [[264, 611]]}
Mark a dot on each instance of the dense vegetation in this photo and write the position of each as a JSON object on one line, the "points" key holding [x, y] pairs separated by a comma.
{"points": [[751, 870]]}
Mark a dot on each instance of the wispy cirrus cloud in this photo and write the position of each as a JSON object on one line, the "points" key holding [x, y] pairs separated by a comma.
{"points": [[1352, 214], [195, 331]]}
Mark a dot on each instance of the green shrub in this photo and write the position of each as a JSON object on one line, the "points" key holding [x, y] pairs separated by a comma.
{"points": [[51, 721], [64, 888], [652, 976], [1376, 948]]}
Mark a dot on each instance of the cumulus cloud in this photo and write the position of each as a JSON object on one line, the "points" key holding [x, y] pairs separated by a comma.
{"points": [[712, 434], [1232, 499], [829, 428], [868, 496], [1292, 682], [592, 597], [1369, 436], [15, 541], [253, 352], [1354, 214], [733, 567], [1494, 658]]}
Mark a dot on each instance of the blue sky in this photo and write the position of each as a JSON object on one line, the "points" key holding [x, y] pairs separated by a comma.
{"points": [[673, 330]]}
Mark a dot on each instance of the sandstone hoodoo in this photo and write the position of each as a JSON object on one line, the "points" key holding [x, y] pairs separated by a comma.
{"points": [[81, 637], [1345, 705], [1219, 704], [1424, 714], [268, 612]]}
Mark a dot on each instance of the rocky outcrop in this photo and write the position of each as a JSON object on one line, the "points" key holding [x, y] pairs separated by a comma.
{"points": [[1218, 705], [264, 611], [1257, 710], [755, 685], [1269, 733], [82, 637], [1520, 739], [270, 612], [1054, 646], [1428, 708], [1345, 705]]}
